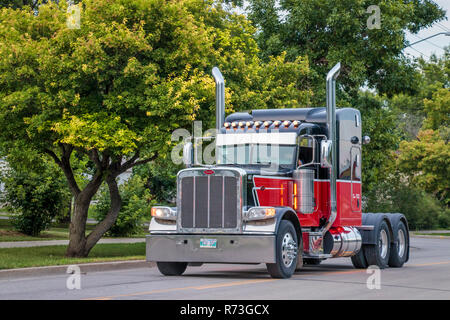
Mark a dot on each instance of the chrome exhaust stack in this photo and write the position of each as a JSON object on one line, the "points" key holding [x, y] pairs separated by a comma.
{"points": [[331, 122], [220, 97]]}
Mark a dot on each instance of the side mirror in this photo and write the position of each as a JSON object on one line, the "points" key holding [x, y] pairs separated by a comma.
{"points": [[325, 154], [188, 154], [365, 140]]}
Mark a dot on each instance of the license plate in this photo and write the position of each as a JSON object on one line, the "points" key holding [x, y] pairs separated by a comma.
{"points": [[208, 243]]}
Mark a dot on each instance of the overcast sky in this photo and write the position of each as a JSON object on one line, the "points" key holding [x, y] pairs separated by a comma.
{"points": [[434, 45]]}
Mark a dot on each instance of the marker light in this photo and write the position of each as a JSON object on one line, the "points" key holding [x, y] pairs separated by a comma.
{"points": [[234, 124], [287, 123], [277, 123], [165, 213], [267, 123], [259, 213], [227, 125], [241, 124], [296, 123], [249, 123], [257, 124]]}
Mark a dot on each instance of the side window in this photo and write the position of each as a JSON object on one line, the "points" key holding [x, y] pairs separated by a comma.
{"points": [[305, 154]]}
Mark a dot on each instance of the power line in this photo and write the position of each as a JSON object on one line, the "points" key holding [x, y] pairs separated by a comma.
{"points": [[434, 35], [428, 42], [442, 26], [420, 52]]}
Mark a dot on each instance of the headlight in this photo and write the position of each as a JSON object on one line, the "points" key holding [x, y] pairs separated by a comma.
{"points": [[165, 213], [259, 213]]}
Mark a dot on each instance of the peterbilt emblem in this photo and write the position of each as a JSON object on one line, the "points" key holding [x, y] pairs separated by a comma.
{"points": [[208, 171]]}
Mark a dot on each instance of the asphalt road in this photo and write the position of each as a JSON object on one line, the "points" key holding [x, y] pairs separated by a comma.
{"points": [[425, 276]]}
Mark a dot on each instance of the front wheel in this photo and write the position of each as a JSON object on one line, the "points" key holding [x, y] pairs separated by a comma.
{"points": [[172, 268], [286, 252]]}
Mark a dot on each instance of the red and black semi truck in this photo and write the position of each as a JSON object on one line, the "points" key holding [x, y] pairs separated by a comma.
{"points": [[285, 190]]}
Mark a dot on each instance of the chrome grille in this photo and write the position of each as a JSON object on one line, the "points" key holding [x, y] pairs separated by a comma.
{"points": [[209, 202]]}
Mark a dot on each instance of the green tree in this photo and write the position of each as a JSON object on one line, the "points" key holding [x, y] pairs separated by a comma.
{"points": [[328, 31], [110, 93], [15, 4], [379, 123], [426, 163], [431, 99]]}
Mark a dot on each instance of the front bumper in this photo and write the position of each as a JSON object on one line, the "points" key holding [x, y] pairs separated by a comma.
{"points": [[230, 248]]}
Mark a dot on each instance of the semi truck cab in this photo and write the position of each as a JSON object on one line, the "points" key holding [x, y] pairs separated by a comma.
{"points": [[285, 191]]}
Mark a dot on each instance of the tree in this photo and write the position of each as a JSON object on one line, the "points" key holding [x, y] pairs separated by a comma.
{"points": [[431, 99], [15, 4], [423, 157], [426, 162], [110, 93], [328, 31], [379, 123]]}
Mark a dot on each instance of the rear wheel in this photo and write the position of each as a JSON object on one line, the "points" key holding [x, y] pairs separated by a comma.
{"points": [[172, 268], [286, 252], [399, 248], [378, 254], [358, 260]]}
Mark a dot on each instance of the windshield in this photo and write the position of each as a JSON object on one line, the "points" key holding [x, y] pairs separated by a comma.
{"points": [[257, 154]]}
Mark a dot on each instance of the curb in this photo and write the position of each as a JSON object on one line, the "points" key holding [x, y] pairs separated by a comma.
{"points": [[429, 237], [84, 267]]}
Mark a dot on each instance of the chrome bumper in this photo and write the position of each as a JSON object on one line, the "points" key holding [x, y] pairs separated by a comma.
{"points": [[230, 248]]}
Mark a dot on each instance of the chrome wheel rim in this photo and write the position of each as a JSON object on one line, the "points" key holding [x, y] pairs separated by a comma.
{"points": [[383, 243], [288, 250], [401, 243]]}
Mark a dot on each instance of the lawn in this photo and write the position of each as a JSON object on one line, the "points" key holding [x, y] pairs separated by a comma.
{"points": [[56, 232], [54, 255], [434, 234]]}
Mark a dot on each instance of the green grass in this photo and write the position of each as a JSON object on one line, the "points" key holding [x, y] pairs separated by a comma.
{"points": [[54, 255], [56, 232], [433, 234]]}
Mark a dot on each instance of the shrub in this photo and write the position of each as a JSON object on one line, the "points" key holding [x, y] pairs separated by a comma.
{"points": [[135, 206], [35, 197], [422, 210], [160, 179]]}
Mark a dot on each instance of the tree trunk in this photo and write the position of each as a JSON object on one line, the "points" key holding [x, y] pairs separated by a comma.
{"points": [[79, 244], [77, 238], [111, 216]]}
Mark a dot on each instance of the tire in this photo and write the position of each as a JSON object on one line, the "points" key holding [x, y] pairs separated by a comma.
{"points": [[172, 268], [378, 254], [358, 260], [286, 243], [399, 249], [312, 261], [300, 262]]}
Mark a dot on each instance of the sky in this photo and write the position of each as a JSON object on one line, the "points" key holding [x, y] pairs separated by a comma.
{"points": [[436, 44]]}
